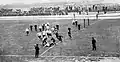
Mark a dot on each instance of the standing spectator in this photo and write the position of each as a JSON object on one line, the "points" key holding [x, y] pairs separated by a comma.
{"points": [[93, 44], [36, 51]]}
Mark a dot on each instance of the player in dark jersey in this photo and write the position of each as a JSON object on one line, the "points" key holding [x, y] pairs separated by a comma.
{"points": [[79, 26], [31, 27], [69, 33], [57, 26], [36, 51], [60, 38], [35, 26], [93, 44]]}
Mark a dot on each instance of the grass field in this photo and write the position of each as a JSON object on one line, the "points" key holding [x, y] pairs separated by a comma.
{"points": [[14, 42]]}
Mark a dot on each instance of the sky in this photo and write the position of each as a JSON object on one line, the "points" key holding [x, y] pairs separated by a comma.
{"points": [[47, 1]]}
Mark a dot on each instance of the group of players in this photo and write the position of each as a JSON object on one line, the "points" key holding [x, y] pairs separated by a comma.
{"points": [[46, 33], [50, 34]]}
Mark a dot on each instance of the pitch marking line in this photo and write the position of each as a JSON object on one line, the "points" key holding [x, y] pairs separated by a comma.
{"points": [[56, 56]]}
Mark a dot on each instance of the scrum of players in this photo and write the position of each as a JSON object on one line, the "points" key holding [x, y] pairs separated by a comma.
{"points": [[46, 33], [49, 34]]}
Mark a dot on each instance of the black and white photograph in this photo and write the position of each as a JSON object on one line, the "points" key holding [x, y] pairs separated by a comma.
{"points": [[60, 31]]}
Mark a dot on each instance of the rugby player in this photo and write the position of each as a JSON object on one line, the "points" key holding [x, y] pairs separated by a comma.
{"points": [[27, 31]]}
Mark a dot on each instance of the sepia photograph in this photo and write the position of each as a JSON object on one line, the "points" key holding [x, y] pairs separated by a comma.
{"points": [[60, 31]]}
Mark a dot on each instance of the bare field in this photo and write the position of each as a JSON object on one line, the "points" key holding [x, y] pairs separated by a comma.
{"points": [[14, 42]]}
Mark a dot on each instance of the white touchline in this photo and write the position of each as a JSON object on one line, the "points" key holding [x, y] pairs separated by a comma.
{"points": [[55, 56]]}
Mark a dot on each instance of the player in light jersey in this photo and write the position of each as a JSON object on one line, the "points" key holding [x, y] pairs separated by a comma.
{"points": [[60, 38], [54, 36], [39, 35], [45, 24], [73, 22], [44, 40], [40, 28], [44, 33], [52, 29], [47, 27], [27, 31], [48, 24], [49, 33], [48, 42]]}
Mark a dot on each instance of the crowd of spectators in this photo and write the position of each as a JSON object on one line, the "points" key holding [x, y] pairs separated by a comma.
{"points": [[58, 11]]}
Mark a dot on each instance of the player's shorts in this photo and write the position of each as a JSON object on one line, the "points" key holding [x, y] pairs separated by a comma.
{"points": [[49, 34], [69, 33], [73, 23], [39, 37], [43, 35], [27, 32], [40, 29]]}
